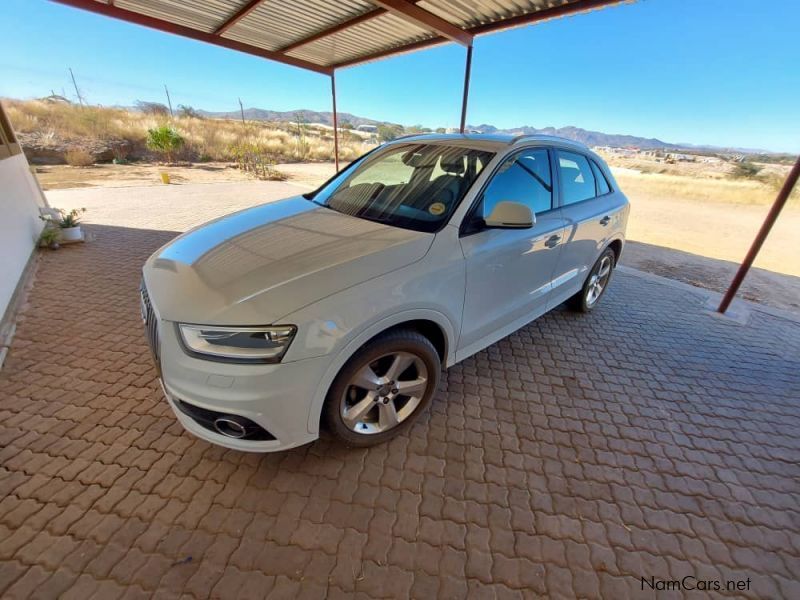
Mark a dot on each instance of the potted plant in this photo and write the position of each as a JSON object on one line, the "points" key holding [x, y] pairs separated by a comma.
{"points": [[49, 237], [70, 225]]}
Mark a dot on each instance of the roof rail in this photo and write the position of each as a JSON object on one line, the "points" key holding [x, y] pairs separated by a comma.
{"points": [[518, 138], [544, 137]]}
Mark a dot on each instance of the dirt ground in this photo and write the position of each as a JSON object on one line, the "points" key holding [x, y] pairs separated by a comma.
{"points": [[697, 242], [61, 177]]}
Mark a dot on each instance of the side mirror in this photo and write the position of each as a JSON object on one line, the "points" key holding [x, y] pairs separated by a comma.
{"points": [[510, 215]]}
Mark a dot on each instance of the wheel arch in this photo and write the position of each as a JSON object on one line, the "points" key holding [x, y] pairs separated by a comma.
{"points": [[432, 324], [616, 245]]}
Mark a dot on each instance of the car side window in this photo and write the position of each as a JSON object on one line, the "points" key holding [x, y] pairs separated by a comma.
{"points": [[602, 182], [524, 178], [577, 179]]}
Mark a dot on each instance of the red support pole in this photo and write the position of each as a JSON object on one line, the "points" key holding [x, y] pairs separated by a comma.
{"points": [[335, 124], [467, 70], [772, 216]]}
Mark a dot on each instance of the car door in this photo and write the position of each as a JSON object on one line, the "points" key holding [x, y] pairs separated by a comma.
{"points": [[588, 207], [508, 271]]}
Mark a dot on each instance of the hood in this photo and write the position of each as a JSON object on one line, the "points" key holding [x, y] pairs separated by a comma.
{"points": [[258, 265]]}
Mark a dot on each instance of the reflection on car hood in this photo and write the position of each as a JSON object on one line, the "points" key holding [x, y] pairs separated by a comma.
{"points": [[257, 265]]}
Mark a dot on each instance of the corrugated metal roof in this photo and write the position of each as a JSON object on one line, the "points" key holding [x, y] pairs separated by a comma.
{"points": [[381, 33], [470, 13], [325, 34], [277, 23], [203, 15]]}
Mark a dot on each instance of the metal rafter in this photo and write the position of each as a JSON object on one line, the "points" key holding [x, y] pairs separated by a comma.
{"points": [[376, 12], [367, 16], [426, 20], [165, 26], [237, 16], [555, 12]]}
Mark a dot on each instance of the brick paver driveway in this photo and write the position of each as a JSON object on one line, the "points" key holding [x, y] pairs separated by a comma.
{"points": [[573, 458]]}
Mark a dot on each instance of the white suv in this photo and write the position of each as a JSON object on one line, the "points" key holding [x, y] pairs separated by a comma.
{"points": [[339, 308]]}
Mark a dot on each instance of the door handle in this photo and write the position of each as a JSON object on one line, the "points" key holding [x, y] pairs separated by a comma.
{"points": [[605, 220], [552, 241]]}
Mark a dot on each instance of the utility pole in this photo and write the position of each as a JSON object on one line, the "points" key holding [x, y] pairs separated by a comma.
{"points": [[77, 91], [169, 101], [241, 109]]}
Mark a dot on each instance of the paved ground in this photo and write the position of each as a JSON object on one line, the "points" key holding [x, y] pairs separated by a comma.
{"points": [[574, 457], [703, 247], [169, 207]]}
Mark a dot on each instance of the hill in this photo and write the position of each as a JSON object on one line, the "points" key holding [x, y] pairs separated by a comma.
{"points": [[289, 116], [585, 136]]}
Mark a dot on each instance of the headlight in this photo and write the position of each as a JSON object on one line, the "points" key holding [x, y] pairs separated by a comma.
{"points": [[239, 344]]}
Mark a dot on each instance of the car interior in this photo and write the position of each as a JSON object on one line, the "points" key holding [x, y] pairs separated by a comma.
{"points": [[420, 183]]}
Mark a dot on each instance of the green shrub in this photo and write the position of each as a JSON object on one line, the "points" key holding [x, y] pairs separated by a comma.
{"points": [[745, 170], [386, 133], [165, 140]]}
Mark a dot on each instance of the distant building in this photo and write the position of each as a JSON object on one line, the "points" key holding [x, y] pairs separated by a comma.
{"points": [[678, 157], [367, 128]]}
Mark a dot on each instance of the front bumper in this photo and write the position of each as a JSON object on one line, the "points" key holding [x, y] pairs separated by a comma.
{"points": [[276, 397]]}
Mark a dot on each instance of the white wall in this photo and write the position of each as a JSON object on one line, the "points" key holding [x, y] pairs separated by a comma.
{"points": [[20, 199]]}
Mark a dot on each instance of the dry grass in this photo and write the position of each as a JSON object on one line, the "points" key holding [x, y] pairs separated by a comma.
{"points": [[78, 158], [206, 139], [701, 190]]}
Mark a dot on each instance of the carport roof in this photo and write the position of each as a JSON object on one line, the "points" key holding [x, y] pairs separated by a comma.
{"points": [[323, 35]]}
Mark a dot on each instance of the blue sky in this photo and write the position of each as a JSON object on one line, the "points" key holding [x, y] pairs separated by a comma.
{"points": [[723, 72]]}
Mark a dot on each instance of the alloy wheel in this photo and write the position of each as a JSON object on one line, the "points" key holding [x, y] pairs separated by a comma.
{"points": [[384, 393], [598, 281]]}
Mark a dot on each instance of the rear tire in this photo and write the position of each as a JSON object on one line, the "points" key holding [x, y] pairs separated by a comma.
{"points": [[382, 389], [596, 283]]}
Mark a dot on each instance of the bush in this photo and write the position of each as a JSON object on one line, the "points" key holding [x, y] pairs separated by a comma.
{"points": [[152, 108], [253, 158], [78, 157], [745, 170], [188, 112], [386, 133], [165, 140]]}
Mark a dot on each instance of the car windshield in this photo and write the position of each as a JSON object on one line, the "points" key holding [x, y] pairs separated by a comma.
{"points": [[414, 186]]}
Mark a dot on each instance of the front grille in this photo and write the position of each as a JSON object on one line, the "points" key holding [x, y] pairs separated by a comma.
{"points": [[150, 325], [206, 418]]}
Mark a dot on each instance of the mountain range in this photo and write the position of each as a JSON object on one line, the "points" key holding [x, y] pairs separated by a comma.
{"points": [[590, 138]]}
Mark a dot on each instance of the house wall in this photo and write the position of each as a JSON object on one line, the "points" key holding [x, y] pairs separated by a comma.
{"points": [[20, 199]]}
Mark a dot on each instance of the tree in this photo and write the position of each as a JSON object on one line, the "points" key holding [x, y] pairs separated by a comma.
{"points": [[165, 140], [188, 112], [345, 125], [418, 129], [152, 108], [441, 130], [388, 132]]}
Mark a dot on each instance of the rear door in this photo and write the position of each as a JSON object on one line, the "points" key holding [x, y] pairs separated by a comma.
{"points": [[589, 208], [509, 270]]}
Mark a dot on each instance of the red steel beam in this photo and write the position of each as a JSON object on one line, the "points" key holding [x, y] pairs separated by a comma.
{"points": [[367, 16], [377, 12], [237, 16], [766, 227], [391, 52], [335, 123], [426, 20], [555, 12], [201, 36], [467, 71]]}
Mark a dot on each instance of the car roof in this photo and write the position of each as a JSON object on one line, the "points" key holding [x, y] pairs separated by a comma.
{"points": [[488, 141]]}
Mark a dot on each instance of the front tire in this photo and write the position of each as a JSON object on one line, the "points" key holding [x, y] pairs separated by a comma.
{"points": [[382, 389], [596, 283]]}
